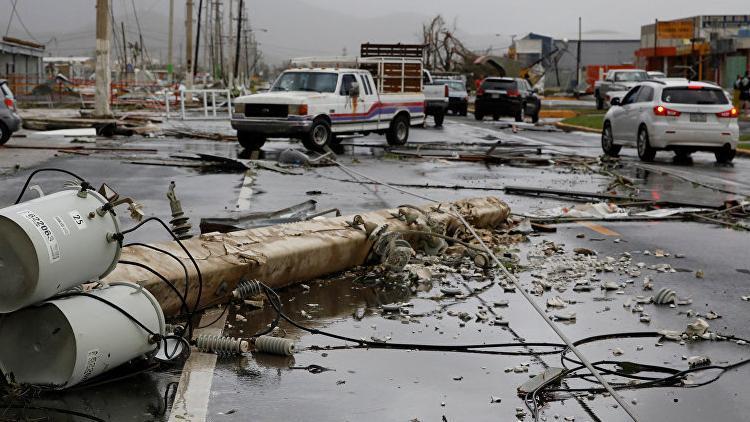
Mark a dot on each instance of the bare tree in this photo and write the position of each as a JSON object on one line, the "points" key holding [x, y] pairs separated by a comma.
{"points": [[443, 51]]}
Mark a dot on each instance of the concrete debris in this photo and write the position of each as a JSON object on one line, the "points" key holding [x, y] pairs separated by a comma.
{"points": [[556, 302], [665, 296], [699, 274], [591, 210], [697, 328], [698, 361], [293, 156]]}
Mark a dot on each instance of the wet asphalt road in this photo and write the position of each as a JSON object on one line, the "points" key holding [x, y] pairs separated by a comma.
{"points": [[377, 385]]}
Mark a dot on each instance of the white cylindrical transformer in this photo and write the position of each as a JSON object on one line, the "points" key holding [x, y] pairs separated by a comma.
{"points": [[51, 244], [63, 342]]}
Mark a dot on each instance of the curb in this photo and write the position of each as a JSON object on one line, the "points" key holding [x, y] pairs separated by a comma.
{"points": [[570, 128]]}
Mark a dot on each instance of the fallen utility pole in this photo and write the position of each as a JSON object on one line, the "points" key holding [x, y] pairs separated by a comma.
{"points": [[277, 255]]}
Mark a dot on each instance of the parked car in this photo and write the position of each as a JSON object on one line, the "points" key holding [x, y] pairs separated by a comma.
{"points": [[653, 74], [507, 97], [678, 116], [10, 121], [458, 96], [617, 80], [318, 104]]}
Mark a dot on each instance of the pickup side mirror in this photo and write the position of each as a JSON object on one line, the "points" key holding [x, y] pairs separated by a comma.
{"points": [[615, 101], [354, 90]]}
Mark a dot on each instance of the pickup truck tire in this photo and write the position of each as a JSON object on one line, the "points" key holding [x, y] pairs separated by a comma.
{"points": [[478, 115], [4, 133], [249, 140], [319, 137], [398, 133], [608, 141], [599, 101], [439, 118], [725, 155], [645, 151]]}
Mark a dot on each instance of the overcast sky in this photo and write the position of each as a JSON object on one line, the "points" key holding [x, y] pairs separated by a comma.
{"points": [[308, 27], [547, 16]]}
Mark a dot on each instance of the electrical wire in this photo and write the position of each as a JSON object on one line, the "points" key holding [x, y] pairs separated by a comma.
{"points": [[54, 410], [623, 404], [184, 304], [187, 252], [50, 169], [275, 301]]}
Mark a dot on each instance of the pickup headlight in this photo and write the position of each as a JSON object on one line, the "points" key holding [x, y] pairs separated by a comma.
{"points": [[298, 109], [239, 108]]}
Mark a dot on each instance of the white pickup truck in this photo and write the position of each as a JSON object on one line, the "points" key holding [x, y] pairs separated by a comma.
{"points": [[317, 105]]}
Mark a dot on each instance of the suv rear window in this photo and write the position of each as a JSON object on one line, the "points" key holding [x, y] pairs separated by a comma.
{"points": [[685, 95], [498, 84]]}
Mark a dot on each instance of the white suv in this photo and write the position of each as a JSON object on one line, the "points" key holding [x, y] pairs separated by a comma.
{"points": [[673, 115]]}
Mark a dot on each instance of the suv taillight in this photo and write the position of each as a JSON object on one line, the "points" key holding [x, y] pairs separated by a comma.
{"points": [[514, 93], [446, 91], [729, 114], [9, 103], [663, 111]]}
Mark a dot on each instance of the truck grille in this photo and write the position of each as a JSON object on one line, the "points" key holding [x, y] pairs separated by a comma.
{"points": [[266, 110]]}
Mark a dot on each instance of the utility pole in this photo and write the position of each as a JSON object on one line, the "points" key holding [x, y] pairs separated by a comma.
{"points": [[239, 37], [170, 65], [103, 75], [656, 41], [578, 59], [230, 38], [198, 37], [189, 45], [124, 50], [219, 71]]}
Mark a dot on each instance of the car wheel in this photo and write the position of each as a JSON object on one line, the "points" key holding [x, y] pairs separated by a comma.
{"points": [[599, 102], [439, 118], [4, 133], [535, 116], [608, 141], [398, 133], [319, 137], [478, 116], [682, 156], [250, 141], [645, 151], [725, 155], [521, 113]]}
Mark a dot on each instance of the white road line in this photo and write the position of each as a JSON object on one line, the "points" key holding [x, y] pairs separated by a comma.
{"points": [[193, 392], [246, 192]]}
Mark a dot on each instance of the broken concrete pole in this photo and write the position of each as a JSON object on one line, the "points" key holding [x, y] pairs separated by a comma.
{"points": [[281, 255]]}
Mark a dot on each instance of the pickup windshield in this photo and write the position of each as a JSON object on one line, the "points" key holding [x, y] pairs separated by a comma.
{"points": [[685, 95], [631, 76], [306, 81]]}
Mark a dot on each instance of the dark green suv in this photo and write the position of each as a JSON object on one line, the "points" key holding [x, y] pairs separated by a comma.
{"points": [[9, 120]]}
